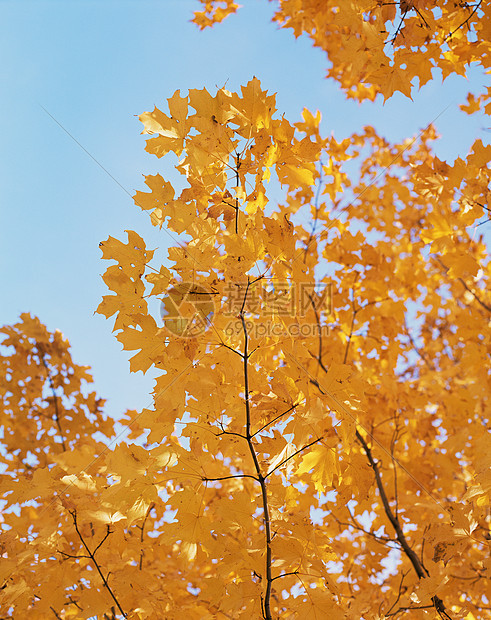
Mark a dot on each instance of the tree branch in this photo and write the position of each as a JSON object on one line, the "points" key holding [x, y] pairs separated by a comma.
{"points": [[394, 520], [467, 288], [96, 564], [233, 477], [266, 602], [383, 540], [388, 510], [466, 21], [274, 419], [142, 529], [55, 399], [293, 455]]}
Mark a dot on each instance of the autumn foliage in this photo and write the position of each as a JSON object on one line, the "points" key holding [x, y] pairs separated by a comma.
{"points": [[375, 47], [318, 444]]}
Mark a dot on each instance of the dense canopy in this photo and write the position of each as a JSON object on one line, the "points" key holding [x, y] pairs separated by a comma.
{"points": [[318, 444]]}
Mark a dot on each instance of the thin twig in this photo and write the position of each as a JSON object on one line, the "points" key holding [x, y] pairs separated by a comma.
{"points": [[274, 419], [233, 477], [469, 290], [55, 399], [293, 455], [142, 528], [466, 21], [96, 563]]}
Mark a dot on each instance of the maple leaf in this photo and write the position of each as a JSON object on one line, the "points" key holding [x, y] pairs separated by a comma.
{"points": [[290, 451]]}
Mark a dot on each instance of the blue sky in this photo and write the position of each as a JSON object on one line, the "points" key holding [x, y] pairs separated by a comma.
{"points": [[95, 65]]}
